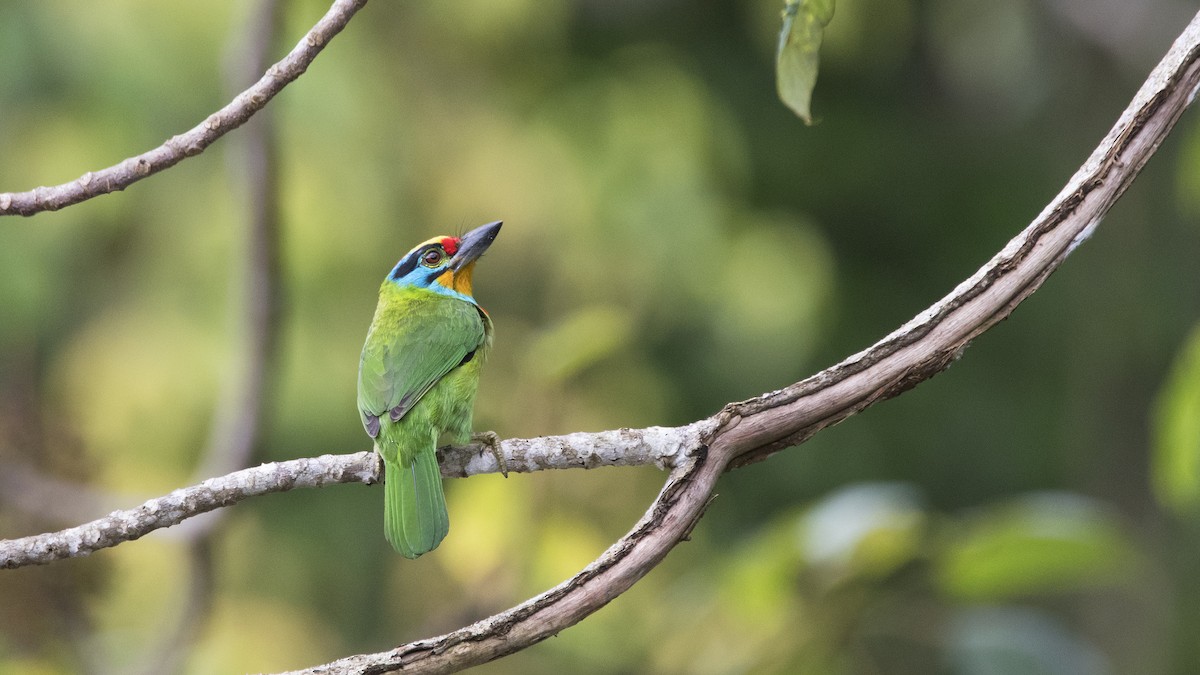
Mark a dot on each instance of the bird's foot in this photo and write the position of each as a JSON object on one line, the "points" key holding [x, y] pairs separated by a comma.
{"points": [[492, 441]]}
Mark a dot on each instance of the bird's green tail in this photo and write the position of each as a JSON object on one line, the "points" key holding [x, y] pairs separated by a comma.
{"points": [[414, 518]]}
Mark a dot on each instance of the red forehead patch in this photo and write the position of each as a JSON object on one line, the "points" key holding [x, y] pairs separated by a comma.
{"points": [[450, 244]]}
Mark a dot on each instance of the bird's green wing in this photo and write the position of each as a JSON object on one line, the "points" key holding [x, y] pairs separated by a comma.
{"points": [[413, 343]]}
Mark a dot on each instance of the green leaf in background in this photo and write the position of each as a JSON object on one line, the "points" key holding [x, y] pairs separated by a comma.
{"points": [[1040, 543], [1176, 465], [796, 61]]}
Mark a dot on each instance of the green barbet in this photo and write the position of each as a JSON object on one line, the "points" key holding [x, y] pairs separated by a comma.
{"points": [[417, 379]]}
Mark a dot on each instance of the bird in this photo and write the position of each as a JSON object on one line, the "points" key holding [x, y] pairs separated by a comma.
{"points": [[418, 376]]}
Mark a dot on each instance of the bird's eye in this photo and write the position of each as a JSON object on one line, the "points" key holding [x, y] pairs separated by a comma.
{"points": [[431, 258]]}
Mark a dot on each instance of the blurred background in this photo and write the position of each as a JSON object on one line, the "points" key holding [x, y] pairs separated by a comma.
{"points": [[674, 239]]}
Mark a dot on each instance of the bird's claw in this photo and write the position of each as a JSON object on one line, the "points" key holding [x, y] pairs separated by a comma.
{"points": [[492, 441]]}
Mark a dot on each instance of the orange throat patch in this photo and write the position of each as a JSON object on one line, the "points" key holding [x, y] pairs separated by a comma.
{"points": [[459, 281]]}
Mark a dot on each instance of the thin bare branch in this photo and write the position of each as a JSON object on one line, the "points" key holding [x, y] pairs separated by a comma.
{"points": [[195, 140], [662, 447], [120, 526]]}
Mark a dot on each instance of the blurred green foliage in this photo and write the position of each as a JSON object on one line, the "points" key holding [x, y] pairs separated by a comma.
{"points": [[674, 240], [1177, 450]]}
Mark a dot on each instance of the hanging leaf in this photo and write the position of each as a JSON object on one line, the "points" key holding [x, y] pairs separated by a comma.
{"points": [[796, 62]]}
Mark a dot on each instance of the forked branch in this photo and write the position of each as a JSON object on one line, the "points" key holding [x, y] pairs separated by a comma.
{"points": [[195, 140]]}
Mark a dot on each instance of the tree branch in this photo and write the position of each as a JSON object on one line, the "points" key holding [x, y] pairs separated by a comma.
{"points": [[195, 140], [120, 526], [659, 446]]}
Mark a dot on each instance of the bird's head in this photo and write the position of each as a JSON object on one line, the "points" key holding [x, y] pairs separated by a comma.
{"points": [[445, 264]]}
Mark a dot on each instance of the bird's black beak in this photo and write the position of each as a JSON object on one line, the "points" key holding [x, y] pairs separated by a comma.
{"points": [[473, 244]]}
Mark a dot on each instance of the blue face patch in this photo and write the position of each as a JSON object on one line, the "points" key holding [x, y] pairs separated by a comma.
{"points": [[421, 262], [422, 266]]}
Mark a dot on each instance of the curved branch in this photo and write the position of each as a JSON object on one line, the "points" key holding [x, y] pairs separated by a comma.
{"points": [[195, 140], [669, 520], [752, 430]]}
